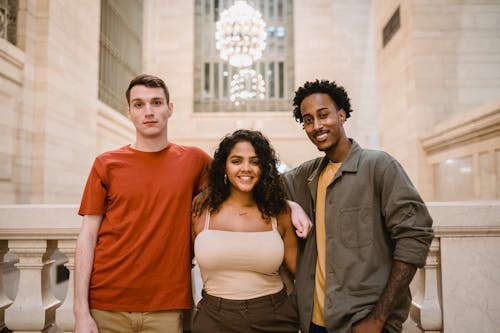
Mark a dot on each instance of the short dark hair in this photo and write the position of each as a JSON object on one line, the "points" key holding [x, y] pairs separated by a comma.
{"points": [[336, 93], [269, 191], [149, 81]]}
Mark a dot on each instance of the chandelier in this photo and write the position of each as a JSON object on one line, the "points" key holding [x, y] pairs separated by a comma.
{"points": [[246, 84], [240, 35]]}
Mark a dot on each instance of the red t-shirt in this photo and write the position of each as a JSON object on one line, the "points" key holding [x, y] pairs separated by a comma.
{"points": [[142, 259]]}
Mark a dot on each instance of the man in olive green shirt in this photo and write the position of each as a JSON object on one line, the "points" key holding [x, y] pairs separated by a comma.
{"points": [[372, 229]]}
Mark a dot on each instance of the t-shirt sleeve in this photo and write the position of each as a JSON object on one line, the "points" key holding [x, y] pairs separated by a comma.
{"points": [[95, 192], [206, 162]]}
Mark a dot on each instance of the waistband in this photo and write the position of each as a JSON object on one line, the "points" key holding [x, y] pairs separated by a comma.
{"points": [[317, 329], [233, 304]]}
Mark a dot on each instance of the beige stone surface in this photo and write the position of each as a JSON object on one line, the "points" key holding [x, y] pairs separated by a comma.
{"points": [[471, 305], [443, 62], [430, 97], [340, 50]]}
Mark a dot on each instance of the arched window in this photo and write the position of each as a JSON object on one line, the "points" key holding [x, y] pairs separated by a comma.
{"points": [[213, 75]]}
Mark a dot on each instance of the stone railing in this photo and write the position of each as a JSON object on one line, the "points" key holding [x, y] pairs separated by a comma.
{"points": [[457, 290], [35, 239]]}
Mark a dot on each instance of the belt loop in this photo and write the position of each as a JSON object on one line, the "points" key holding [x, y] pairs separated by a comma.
{"points": [[219, 303], [273, 300]]}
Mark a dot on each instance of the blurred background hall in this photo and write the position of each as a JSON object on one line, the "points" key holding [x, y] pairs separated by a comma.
{"points": [[424, 82]]}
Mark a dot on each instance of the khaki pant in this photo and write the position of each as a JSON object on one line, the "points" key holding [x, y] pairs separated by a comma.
{"points": [[143, 322]]}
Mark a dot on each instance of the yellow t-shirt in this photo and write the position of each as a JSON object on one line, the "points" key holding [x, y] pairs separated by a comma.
{"points": [[325, 178]]}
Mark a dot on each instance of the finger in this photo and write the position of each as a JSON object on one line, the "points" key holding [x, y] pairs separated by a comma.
{"points": [[304, 232], [300, 234], [196, 210], [195, 207]]}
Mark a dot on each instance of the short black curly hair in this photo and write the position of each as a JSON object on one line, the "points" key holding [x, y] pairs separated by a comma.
{"points": [[269, 191], [337, 94]]}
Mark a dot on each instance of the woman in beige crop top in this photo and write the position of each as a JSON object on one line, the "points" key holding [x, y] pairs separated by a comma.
{"points": [[241, 241]]}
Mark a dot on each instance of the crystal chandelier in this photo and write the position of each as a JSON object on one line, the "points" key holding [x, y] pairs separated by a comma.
{"points": [[246, 84], [240, 34]]}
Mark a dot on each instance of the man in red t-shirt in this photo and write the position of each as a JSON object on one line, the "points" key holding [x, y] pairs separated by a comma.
{"points": [[133, 252]]}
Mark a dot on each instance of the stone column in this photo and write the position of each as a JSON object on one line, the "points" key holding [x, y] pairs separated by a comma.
{"points": [[33, 309], [428, 314], [64, 314], [4, 300]]}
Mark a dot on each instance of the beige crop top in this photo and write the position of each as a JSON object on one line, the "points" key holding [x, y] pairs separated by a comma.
{"points": [[239, 265]]}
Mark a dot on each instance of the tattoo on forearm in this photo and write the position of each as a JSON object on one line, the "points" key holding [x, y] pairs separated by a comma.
{"points": [[399, 279]]}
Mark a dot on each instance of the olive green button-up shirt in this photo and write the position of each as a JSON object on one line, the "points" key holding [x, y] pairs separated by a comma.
{"points": [[373, 215]]}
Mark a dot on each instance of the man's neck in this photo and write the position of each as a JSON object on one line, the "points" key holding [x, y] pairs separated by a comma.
{"points": [[150, 145], [340, 151]]}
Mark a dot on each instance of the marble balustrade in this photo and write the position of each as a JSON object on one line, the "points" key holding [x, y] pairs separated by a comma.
{"points": [[457, 290]]}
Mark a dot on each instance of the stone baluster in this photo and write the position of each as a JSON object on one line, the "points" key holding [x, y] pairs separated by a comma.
{"points": [[33, 310], [64, 314], [428, 314], [4, 300]]}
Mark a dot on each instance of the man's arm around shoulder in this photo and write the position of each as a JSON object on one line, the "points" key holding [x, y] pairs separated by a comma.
{"points": [[84, 258]]}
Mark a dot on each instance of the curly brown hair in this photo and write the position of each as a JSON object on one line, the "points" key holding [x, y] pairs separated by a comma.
{"points": [[268, 193]]}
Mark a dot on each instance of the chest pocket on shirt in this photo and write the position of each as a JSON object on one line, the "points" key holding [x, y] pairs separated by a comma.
{"points": [[356, 226]]}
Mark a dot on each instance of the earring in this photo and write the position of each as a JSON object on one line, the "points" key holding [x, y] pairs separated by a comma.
{"points": [[225, 179]]}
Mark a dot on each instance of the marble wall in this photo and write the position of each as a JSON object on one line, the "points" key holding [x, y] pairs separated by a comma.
{"points": [[51, 112], [469, 265], [464, 154], [443, 62]]}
